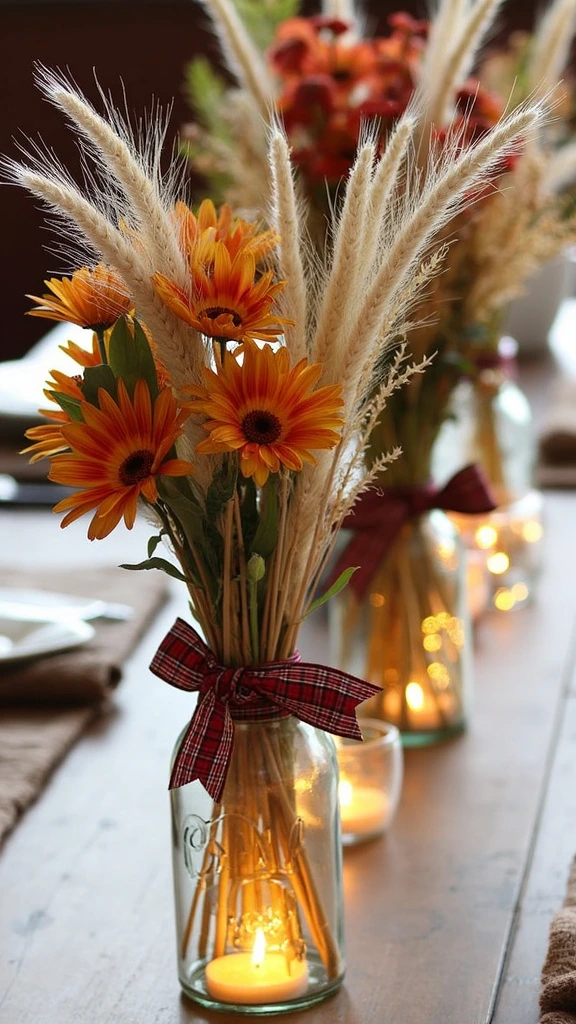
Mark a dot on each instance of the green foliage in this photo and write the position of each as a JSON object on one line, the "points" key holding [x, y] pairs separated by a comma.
{"points": [[158, 563], [262, 17], [205, 91], [131, 358], [338, 585], [266, 535], [221, 489], [69, 405], [154, 542], [96, 377]]}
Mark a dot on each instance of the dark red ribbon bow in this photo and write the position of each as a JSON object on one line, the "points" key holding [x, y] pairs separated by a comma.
{"points": [[321, 696], [379, 515]]}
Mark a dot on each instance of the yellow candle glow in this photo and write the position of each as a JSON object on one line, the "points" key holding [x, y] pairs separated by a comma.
{"points": [[257, 977], [363, 811], [423, 711]]}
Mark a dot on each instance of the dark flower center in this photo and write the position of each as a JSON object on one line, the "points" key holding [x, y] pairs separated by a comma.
{"points": [[213, 312], [261, 427], [136, 467]]}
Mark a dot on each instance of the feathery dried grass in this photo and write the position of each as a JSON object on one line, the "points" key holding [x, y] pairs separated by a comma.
{"points": [[441, 87], [242, 56], [551, 47], [287, 218]]}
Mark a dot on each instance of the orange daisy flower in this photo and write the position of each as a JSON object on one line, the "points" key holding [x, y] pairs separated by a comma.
{"points": [[116, 454], [48, 438], [64, 384], [267, 411], [226, 301], [83, 356], [90, 298], [209, 226]]}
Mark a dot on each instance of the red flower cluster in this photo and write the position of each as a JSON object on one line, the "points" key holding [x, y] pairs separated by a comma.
{"points": [[331, 83]]}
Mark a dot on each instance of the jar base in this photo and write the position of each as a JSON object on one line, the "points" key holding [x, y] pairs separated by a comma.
{"points": [[195, 989], [433, 736]]}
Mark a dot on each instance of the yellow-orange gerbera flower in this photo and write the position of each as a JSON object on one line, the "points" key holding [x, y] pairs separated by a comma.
{"points": [[116, 454], [82, 356], [226, 301], [267, 411], [90, 298], [64, 384], [48, 438], [196, 233]]}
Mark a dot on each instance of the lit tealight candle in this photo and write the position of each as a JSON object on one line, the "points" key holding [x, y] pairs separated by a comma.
{"points": [[257, 977], [363, 811]]}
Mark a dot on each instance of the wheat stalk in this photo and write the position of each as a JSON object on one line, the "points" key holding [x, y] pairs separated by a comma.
{"points": [[122, 163], [242, 56], [552, 42], [344, 287], [460, 58], [287, 219]]}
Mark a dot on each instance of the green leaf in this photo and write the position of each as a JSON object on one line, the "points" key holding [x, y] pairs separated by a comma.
{"points": [[154, 542], [131, 357], [69, 405], [249, 512], [221, 489], [267, 533], [158, 563], [96, 377], [205, 91], [337, 586], [261, 17]]}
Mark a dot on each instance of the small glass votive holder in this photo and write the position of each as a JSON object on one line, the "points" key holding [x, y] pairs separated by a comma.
{"points": [[370, 784]]}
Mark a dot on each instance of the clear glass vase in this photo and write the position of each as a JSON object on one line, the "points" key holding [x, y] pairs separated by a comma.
{"points": [[491, 424], [410, 633], [258, 877]]}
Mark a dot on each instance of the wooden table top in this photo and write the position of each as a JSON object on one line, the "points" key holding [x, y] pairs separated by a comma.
{"points": [[447, 916]]}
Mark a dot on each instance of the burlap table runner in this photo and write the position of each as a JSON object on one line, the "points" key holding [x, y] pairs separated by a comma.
{"points": [[557, 466], [47, 702], [558, 995]]}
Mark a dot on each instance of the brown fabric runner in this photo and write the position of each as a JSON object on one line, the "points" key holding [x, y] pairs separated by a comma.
{"points": [[46, 703], [558, 995], [558, 438]]}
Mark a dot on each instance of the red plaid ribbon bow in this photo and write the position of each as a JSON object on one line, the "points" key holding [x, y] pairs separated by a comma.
{"points": [[321, 696], [379, 515]]}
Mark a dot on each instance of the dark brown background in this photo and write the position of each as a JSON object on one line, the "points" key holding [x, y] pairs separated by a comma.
{"points": [[147, 44]]}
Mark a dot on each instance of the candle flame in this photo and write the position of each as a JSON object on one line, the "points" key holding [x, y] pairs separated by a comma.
{"points": [[414, 696], [345, 793], [259, 950]]}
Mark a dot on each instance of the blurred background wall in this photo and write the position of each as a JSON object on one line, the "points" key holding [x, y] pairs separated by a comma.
{"points": [[147, 45]]}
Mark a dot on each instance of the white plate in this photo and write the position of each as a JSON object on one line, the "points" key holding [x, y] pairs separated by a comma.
{"points": [[36, 605], [20, 639]]}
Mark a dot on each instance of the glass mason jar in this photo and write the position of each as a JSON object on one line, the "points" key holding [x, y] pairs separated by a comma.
{"points": [[491, 424], [258, 877], [410, 633]]}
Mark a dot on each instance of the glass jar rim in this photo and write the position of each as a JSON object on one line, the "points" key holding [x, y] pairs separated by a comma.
{"points": [[385, 734]]}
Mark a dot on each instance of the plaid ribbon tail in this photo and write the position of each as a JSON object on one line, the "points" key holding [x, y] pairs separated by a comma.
{"points": [[369, 543], [468, 491], [206, 748], [323, 697], [379, 516]]}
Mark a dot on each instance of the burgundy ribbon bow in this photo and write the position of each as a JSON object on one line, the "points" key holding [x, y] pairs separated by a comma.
{"points": [[321, 696], [379, 515]]}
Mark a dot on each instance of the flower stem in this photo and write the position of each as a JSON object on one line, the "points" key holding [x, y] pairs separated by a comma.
{"points": [[101, 345], [253, 607]]}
